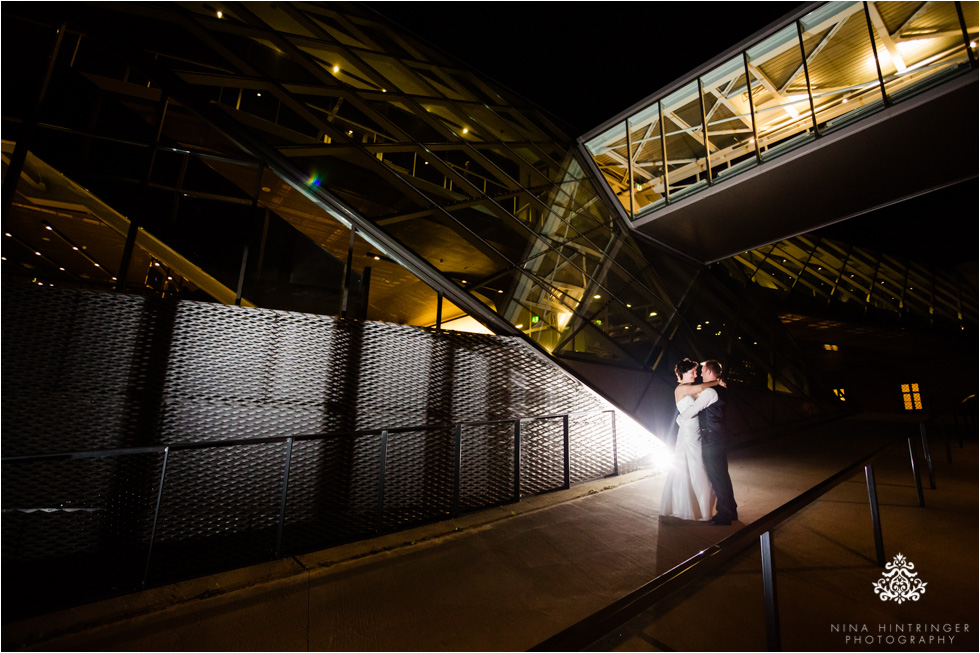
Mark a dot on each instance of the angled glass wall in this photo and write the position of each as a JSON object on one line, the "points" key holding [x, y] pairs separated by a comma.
{"points": [[307, 158], [832, 66], [829, 274]]}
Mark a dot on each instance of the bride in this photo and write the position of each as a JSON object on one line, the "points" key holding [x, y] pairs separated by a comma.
{"points": [[688, 493]]}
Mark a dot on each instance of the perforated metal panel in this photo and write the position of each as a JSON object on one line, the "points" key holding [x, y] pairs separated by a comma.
{"points": [[90, 371]]}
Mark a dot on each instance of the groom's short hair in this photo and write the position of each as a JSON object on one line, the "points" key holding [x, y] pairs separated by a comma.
{"points": [[713, 365]]}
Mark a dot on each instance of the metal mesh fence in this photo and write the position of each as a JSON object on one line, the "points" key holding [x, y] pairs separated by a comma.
{"points": [[88, 371]]}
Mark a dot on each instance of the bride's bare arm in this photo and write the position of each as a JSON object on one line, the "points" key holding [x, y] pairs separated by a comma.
{"points": [[706, 399], [684, 390]]}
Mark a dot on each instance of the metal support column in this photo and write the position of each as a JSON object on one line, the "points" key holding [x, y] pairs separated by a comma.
{"points": [[769, 590], [927, 454], [156, 516], [282, 503], [874, 51], [381, 481], [457, 465], [566, 482], [615, 450], [517, 460], [869, 475], [915, 474]]}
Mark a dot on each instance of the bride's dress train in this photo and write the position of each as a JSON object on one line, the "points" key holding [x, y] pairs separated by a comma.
{"points": [[687, 493]]}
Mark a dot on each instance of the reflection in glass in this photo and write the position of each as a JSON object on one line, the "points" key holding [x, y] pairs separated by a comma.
{"points": [[646, 144], [834, 33], [728, 116], [610, 151], [687, 166], [779, 92]]}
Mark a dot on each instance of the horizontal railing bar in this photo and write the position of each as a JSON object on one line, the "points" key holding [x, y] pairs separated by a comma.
{"points": [[277, 439], [601, 623]]}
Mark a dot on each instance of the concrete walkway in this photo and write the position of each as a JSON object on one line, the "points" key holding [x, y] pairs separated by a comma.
{"points": [[508, 578]]}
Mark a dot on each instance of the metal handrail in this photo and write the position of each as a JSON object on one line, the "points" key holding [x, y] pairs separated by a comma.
{"points": [[384, 433], [274, 439], [589, 630]]}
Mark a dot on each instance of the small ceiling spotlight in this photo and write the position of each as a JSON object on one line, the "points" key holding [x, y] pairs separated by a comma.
{"points": [[220, 15], [336, 69]]}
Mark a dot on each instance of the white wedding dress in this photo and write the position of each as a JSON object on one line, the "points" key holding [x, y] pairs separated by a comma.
{"points": [[688, 493]]}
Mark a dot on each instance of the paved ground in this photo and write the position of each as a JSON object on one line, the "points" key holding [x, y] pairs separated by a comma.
{"points": [[509, 578]]}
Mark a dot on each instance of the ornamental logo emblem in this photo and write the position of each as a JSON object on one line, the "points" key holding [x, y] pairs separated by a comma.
{"points": [[899, 583]]}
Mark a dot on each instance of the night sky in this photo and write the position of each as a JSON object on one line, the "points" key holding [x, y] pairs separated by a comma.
{"points": [[585, 62]]}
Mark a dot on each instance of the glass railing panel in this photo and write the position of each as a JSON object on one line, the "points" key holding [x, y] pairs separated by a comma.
{"points": [[922, 44], [788, 259], [728, 116], [610, 152], [646, 146], [621, 325], [947, 297], [918, 291], [827, 265], [418, 128], [645, 306], [840, 63], [779, 92], [684, 136], [814, 282], [587, 339], [434, 236]]}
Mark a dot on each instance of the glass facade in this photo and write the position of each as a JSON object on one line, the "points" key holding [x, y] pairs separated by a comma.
{"points": [[314, 159], [836, 64], [829, 274]]}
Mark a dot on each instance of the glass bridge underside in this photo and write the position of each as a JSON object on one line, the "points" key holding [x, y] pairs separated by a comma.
{"points": [[836, 64]]}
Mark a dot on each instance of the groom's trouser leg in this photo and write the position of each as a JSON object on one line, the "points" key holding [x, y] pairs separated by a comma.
{"points": [[715, 455]]}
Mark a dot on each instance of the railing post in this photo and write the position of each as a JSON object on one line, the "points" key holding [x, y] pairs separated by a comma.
{"points": [[915, 473], [869, 475], [956, 423], [457, 465], [156, 516], [567, 480], [769, 590], [949, 449], [614, 444], [517, 460], [927, 454], [282, 503], [381, 480]]}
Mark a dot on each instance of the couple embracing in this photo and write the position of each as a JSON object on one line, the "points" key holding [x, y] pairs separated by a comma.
{"points": [[700, 467]]}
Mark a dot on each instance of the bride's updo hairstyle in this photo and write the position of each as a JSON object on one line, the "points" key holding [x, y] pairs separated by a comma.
{"points": [[684, 366]]}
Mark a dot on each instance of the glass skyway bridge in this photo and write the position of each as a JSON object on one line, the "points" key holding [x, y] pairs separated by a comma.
{"points": [[820, 72]]}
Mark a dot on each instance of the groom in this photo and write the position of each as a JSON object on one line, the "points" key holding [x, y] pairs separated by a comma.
{"points": [[710, 409]]}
